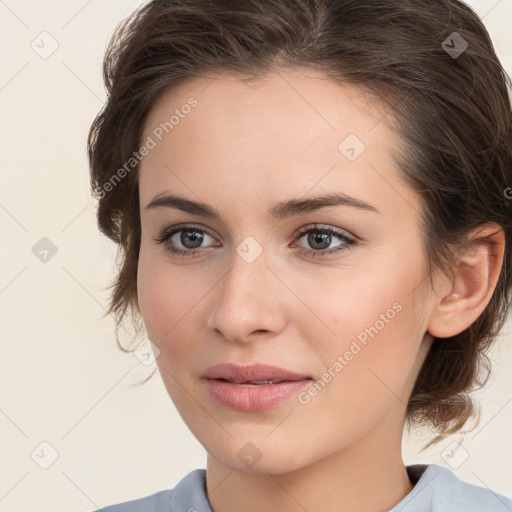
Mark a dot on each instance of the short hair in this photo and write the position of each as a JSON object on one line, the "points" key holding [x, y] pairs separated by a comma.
{"points": [[430, 62]]}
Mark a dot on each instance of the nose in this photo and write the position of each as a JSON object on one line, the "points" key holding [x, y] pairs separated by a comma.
{"points": [[249, 302]]}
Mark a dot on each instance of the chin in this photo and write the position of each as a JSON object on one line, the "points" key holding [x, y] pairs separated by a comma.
{"points": [[253, 458]]}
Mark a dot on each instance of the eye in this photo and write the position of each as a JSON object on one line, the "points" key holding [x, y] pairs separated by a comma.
{"points": [[321, 237], [188, 237], [188, 240]]}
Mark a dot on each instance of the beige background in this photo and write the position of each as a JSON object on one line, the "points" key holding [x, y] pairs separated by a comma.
{"points": [[64, 382]]}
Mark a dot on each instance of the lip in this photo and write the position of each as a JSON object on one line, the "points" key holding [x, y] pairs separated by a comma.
{"points": [[235, 372], [229, 384]]}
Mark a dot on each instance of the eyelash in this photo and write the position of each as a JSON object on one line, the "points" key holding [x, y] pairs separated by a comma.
{"points": [[167, 233]]}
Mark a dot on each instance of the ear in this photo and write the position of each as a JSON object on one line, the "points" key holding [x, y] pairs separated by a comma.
{"points": [[461, 297]]}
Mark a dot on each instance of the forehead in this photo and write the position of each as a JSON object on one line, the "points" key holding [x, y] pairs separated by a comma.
{"points": [[306, 96], [292, 131]]}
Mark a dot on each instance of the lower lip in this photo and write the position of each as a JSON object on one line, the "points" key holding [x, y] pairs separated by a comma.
{"points": [[254, 398]]}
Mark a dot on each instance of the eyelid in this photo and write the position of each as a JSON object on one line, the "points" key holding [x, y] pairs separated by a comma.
{"points": [[349, 241], [170, 230], [326, 227], [308, 227]]}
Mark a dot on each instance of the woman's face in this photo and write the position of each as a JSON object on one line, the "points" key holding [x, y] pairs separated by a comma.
{"points": [[264, 282]]}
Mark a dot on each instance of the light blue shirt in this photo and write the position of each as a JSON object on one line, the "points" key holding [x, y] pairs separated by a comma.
{"points": [[436, 489]]}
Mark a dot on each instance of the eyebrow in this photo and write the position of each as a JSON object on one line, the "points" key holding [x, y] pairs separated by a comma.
{"points": [[279, 210]]}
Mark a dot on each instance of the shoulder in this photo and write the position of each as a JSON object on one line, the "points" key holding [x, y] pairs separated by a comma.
{"points": [[157, 502], [439, 490], [188, 494]]}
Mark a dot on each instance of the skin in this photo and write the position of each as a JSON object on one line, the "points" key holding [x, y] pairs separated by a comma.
{"points": [[244, 147]]}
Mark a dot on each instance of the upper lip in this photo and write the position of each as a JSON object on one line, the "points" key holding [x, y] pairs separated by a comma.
{"points": [[254, 372]]}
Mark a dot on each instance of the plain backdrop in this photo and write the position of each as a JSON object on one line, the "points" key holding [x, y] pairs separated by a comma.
{"points": [[76, 433]]}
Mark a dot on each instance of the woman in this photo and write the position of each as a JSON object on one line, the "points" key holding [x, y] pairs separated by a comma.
{"points": [[310, 202]]}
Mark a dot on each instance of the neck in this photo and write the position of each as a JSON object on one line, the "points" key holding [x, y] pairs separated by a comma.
{"points": [[369, 475]]}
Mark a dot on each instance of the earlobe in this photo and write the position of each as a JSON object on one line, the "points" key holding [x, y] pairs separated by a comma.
{"points": [[463, 296]]}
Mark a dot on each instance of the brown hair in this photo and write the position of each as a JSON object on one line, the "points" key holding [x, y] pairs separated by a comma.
{"points": [[452, 112]]}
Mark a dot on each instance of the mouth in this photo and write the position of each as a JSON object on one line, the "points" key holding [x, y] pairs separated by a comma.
{"points": [[251, 384], [253, 374], [251, 397], [253, 388]]}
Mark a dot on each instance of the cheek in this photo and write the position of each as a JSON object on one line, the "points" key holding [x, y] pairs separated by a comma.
{"points": [[374, 375], [167, 306], [356, 305], [170, 301], [367, 329], [162, 301], [163, 293]]}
